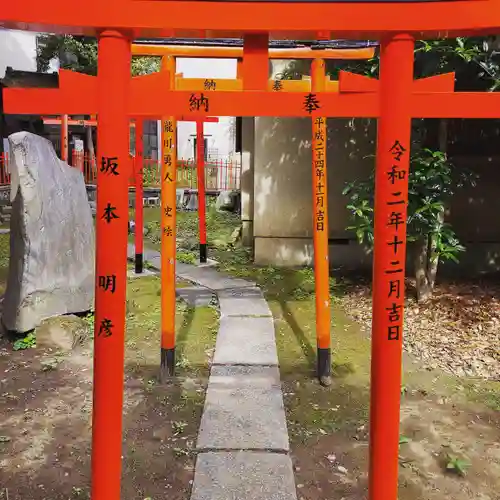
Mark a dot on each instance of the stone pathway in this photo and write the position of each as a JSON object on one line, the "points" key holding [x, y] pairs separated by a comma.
{"points": [[243, 446]]}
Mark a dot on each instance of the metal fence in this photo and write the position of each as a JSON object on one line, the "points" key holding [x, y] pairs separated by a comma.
{"points": [[220, 174]]}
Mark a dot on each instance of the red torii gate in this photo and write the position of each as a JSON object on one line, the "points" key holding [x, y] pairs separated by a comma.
{"points": [[147, 90], [397, 24], [200, 182]]}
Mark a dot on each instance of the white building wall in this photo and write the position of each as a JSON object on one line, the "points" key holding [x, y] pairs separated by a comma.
{"points": [[221, 137], [17, 50]]}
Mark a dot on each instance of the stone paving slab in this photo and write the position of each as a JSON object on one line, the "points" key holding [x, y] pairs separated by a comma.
{"points": [[243, 475], [203, 275], [246, 341], [243, 302], [210, 278], [196, 296], [145, 273], [243, 410]]}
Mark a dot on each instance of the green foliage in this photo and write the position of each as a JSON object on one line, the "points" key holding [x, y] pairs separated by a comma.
{"points": [[90, 323], [186, 257], [151, 177], [403, 440], [432, 181], [457, 465], [79, 53], [474, 60], [144, 65], [25, 343]]}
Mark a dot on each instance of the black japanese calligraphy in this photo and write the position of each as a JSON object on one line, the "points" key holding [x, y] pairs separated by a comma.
{"points": [[109, 213], [396, 202], [167, 159], [395, 242], [167, 211], [397, 268], [395, 219], [198, 102], [394, 289], [108, 283], [320, 220], [277, 85], [109, 165], [105, 328], [394, 312], [395, 174], [393, 332], [397, 150], [311, 103], [168, 127], [168, 177], [167, 231], [209, 85], [168, 142]]}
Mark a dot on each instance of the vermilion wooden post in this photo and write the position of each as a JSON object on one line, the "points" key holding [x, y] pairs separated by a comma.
{"points": [[391, 200], [111, 263], [139, 196], [64, 138], [320, 231], [168, 235], [202, 205]]}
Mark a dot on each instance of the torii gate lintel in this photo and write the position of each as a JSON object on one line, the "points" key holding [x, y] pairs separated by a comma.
{"points": [[354, 82]]}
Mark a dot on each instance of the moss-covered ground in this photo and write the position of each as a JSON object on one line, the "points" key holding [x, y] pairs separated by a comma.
{"points": [[328, 427]]}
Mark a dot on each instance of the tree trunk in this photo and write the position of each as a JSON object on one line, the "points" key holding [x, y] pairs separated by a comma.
{"points": [[423, 285], [426, 260], [432, 259]]}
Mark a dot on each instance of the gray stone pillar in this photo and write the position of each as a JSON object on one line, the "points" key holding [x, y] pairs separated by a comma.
{"points": [[247, 179]]}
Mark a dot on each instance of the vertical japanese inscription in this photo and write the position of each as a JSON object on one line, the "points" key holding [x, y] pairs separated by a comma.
{"points": [[319, 156], [168, 236], [168, 176], [396, 222]]}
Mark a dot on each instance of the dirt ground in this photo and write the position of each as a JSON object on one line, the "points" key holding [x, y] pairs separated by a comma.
{"points": [[46, 398], [457, 330], [450, 405], [443, 418]]}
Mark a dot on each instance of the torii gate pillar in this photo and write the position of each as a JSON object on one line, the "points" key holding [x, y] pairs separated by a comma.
{"points": [[391, 200], [113, 173]]}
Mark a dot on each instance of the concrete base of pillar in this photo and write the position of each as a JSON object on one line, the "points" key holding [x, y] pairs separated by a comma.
{"points": [[293, 252], [247, 233]]}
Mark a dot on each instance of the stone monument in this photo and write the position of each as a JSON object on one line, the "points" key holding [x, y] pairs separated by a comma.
{"points": [[51, 269]]}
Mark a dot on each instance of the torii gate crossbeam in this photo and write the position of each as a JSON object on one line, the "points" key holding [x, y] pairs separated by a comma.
{"points": [[395, 103]]}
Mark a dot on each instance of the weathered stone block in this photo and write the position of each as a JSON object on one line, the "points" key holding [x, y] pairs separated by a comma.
{"points": [[246, 341], [243, 410], [243, 475], [51, 270]]}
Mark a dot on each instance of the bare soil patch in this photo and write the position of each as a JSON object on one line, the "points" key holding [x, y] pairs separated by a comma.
{"points": [[443, 417], [336, 465], [46, 402]]}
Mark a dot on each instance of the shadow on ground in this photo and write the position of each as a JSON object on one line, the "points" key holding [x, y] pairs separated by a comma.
{"points": [[46, 401]]}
